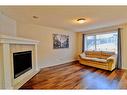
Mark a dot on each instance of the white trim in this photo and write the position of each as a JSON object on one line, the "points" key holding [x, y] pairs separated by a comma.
{"points": [[16, 40], [35, 55], [7, 67], [65, 62], [25, 80], [124, 68], [7, 60]]}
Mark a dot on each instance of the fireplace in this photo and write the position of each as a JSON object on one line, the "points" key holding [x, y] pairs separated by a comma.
{"points": [[18, 61], [22, 62]]}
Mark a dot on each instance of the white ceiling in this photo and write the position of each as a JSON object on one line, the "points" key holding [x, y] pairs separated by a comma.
{"points": [[62, 16]]}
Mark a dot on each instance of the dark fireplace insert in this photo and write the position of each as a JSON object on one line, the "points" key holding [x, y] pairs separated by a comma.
{"points": [[22, 62]]}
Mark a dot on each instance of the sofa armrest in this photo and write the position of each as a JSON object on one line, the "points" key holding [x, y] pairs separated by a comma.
{"points": [[79, 57], [112, 58], [112, 62], [82, 55]]}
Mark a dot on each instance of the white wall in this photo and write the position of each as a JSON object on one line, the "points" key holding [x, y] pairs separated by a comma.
{"points": [[7, 25], [47, 56], [124, 45]]}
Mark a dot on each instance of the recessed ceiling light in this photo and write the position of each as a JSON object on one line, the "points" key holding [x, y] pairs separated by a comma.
{"points": [[81, 20], [35, 17]]}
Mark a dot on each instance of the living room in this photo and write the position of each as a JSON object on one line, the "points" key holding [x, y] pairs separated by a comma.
{"points": [[83, 31]]}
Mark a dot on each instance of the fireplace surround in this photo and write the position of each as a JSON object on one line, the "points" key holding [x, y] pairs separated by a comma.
{"points": [[9, 47]]}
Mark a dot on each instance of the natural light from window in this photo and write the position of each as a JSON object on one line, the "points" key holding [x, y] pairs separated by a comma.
{"points": [[102, 42]]}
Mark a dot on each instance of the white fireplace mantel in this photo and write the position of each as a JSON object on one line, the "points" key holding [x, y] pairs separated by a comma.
{"points": [[9, 45], [16, 40]]}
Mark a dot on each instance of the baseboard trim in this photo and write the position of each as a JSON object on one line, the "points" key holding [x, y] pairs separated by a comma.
{"points": [[124, 68], [59, 64]]}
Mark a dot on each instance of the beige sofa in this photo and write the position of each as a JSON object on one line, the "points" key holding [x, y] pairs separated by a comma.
{"points": [[99, 59]]}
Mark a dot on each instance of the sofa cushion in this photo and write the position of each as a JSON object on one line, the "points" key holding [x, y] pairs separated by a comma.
{"points": [[99, 54], [93, 54], [107, 54], [95, 59], [100, 60]]}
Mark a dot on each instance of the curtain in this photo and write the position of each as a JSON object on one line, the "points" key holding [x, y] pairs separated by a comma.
{"points": [[83, 42], [119, 57]]}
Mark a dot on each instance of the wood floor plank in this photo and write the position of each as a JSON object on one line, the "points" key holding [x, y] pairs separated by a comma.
{"points": [[74, 75]]}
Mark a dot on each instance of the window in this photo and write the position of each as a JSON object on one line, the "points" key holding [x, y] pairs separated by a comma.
{"points": [[90, 43], [102, 42]]}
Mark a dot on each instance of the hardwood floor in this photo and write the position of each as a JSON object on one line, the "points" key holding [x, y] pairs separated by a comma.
{"points": [[76, 76]]}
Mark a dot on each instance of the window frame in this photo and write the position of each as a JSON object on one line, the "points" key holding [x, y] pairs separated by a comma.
{"points": [[95, 34]]}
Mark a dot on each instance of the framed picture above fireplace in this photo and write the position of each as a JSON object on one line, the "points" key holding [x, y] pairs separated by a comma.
{"points": [[60, 41]]}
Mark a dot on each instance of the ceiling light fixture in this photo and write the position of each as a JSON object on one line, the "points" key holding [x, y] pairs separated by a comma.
{"points": [[81, 20], [35, 17]]}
